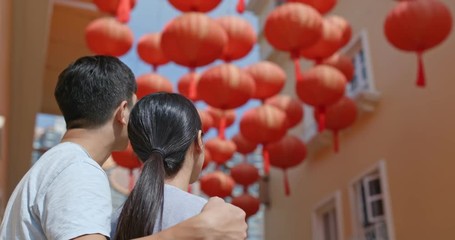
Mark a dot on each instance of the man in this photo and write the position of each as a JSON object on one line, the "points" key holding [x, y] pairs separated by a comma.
{"points": [[66, 194]]}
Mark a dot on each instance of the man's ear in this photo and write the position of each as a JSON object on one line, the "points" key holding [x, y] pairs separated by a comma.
{"points": [[200, 144], [121, 113]]}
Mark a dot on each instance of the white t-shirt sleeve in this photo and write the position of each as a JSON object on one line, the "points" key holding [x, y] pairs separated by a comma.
{"points": [[78, 202]]}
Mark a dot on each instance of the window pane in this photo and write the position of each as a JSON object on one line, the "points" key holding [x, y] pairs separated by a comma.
{"points": [[377, 208], [374, 187]]}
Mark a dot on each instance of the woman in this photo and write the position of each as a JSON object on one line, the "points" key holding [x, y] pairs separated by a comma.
{"points": [[165, 133]]}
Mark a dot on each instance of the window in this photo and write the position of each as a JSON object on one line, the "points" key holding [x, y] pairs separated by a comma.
{"points": [[326, 220], [372, 218]]}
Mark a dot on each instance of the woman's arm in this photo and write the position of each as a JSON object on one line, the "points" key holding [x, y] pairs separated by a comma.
{"points": [[217, 221]]}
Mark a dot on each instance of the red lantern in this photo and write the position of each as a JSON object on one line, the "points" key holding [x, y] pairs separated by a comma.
{"points": [[241, 37], [119, 8], [339, 116], [149, 50], [418, 26], [247, 203], [107, 36], [269, 79], [321, 86], [292, 107], [221, 150], [184, 85], [288, 152], [217, 184], [243, 146], [195, 5], [127, 159], [328, 44], [225, 87], [323, 6], [245, 174], [206, 119], [222, 119], [151, 83], [291, 27], [343, 25], [342, 63]]}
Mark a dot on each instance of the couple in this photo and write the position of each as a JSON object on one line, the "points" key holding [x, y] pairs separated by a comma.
{"points": [[66, 194]]}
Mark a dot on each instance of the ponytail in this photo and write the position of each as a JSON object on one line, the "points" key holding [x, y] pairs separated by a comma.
{"points": [[145, 203]]}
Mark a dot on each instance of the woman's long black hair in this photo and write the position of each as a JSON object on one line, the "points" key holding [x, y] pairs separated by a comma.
{"points": [[162, 127]]}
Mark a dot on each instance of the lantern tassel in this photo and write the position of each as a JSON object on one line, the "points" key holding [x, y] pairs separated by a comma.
{"points": [[321, 119], [336, 142], [298, 74], [245, 189], [240, 6], [265, 155], [123, 11], [131, 181], [154, 68], [421, 71], [193, 83], [287, 188], [221, 131]]}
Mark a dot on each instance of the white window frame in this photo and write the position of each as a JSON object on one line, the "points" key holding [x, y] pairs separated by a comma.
{"points": [[381, 169], [331, 202]]}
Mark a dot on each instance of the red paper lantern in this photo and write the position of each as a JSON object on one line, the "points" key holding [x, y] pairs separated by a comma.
{"points": [[225, 86], [127, 159], [286, 153], [241, 37], [184, 85], [217, 184], [339, 116], [292, 107], [321, 86], [151, 83], [119, 8], [269, 79], [243, 146], [418, 26], [149, 50], [206, 119], [107, 36], [291, 27], [342, 63], [245, 174], [195, 5], [344, 26], [247, 203], [330, 42], [221, 150], [323, 6]]}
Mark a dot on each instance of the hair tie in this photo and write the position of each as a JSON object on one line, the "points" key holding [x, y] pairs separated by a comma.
{"points": [[158, 151]]}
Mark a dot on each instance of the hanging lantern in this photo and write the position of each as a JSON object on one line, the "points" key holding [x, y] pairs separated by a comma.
{"points": [[119, 8], [247, 203], [184, 85], [221, 150], [339, 116], [206, 119], [342, 63], [417, 26], [343, 25], [329, 43], [241, 37], [321, 86], [245, 174], [291, 27], [107, 36], [264, 124], [195, 5], [217, 184], [286, 153], [193, 40], [222, 119], [323, 6], [149, 50], [127, 159], [269, 79], [225, 87], [292, 107], [207, 158], [243, 146], [151, 83]]}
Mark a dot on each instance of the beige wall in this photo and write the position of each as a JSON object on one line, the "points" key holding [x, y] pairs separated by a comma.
{"points": [[412, 130]]}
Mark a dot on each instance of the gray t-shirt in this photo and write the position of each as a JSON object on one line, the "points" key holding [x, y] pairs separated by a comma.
{"points": [[178, 206], [64, 195]]}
